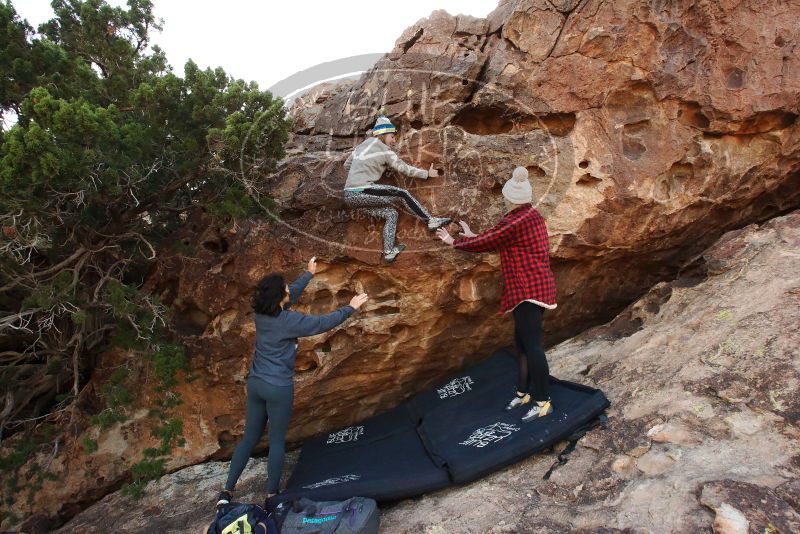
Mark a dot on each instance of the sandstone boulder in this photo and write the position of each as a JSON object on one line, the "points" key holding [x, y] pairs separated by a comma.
{"points": [[656, 361], [648, 128]]}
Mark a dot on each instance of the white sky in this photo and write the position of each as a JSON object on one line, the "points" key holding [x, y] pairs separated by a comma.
{"points": [[269, 41]]}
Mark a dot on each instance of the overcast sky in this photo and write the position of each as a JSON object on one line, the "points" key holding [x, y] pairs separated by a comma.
{"points": [[269, 41]]}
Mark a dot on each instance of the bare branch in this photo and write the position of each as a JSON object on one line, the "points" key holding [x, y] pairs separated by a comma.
{"points": [[54, 269]]}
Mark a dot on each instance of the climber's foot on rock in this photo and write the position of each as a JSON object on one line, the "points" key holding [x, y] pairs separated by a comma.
{"points": [[392, 254], [437, 222]]}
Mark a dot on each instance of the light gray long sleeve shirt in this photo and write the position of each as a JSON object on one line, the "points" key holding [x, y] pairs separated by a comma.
{"points": [[276, 337], [368, 160]]}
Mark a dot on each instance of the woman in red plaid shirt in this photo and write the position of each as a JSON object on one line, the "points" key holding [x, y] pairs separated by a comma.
{"points": [[528, 285]]}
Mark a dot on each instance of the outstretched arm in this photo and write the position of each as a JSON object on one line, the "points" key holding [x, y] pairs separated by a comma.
{"points": [[394, 161], [297, 287], [496, 237], [300, 325]]}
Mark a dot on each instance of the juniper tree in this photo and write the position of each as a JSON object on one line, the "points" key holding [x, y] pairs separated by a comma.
{"points": [[111, 149]]}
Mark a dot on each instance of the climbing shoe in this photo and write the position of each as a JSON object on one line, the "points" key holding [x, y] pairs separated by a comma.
{"points": [[437, 222], [518, 401], [392, 254], [538, 410], [272, 507], [225, 497]]}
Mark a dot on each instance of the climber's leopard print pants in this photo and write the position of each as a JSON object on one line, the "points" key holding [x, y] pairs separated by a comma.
{"points": [[380, 201]]}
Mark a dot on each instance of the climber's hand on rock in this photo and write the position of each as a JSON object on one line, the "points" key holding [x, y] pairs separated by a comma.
{"points": [[465, 231], [432, 173], [359, 300], [445, 236], [312, 265]]}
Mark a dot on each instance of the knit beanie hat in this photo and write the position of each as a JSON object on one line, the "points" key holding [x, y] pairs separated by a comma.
{"points": [[383, 126], [518, 189]]}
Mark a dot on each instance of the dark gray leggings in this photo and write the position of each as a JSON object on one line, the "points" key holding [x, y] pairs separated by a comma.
{"points": [[265, 403]]}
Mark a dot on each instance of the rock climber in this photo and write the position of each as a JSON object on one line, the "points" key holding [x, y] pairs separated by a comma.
{"points": [[528, 285], [365, 165], [270, 386]]}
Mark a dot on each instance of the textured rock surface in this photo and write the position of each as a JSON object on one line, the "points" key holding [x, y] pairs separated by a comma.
{"points": [[642, 151], [703, 376], [649, 129], [181, 502]]}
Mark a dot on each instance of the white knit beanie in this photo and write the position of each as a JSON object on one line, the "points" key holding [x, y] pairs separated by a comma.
{"points": [[518, 189]]}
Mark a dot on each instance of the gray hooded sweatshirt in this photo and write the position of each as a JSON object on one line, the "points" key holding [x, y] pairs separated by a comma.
{"points": [[366, 163], [276, 337]]}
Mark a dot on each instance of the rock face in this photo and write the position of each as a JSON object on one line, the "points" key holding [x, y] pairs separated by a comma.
{"points": [[703, 377], [648, 128], [181, 502]]}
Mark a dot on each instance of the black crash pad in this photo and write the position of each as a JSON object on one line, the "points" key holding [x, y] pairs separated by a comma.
{"points": [[478, 441], [455, 432], [381, 457]]}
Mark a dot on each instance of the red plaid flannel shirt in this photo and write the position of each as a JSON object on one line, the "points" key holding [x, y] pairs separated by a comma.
{"points": [[521, 238]]}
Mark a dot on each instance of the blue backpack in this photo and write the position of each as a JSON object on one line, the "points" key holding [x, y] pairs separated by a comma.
{"points": [[238, 518]]}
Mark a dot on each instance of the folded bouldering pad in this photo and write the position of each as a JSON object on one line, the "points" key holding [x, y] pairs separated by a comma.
{"points": [[455, 432]]}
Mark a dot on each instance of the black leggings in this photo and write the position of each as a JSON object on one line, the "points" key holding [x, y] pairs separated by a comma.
{"points": [[533, 368]]}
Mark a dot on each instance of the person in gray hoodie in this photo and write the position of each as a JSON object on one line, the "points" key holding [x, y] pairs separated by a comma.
{"points": [[270, 385], [365, 166]]}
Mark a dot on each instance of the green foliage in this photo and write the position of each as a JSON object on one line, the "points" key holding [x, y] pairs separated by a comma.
{"points": [[15, 60], [89, 445], [167, 361], [151, 467], [8, 515], [17, 456], [111, 150], [116, 394], [55, 365], [108, 418], [22, 453], [143, 472], [78, 317], [45, 433], [121, 299], [171, 434], [12, 488], [47, 294], [234, 202], [118, 376]]}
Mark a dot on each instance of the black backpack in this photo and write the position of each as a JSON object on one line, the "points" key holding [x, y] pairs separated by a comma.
{"points": [[239, 518]]}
